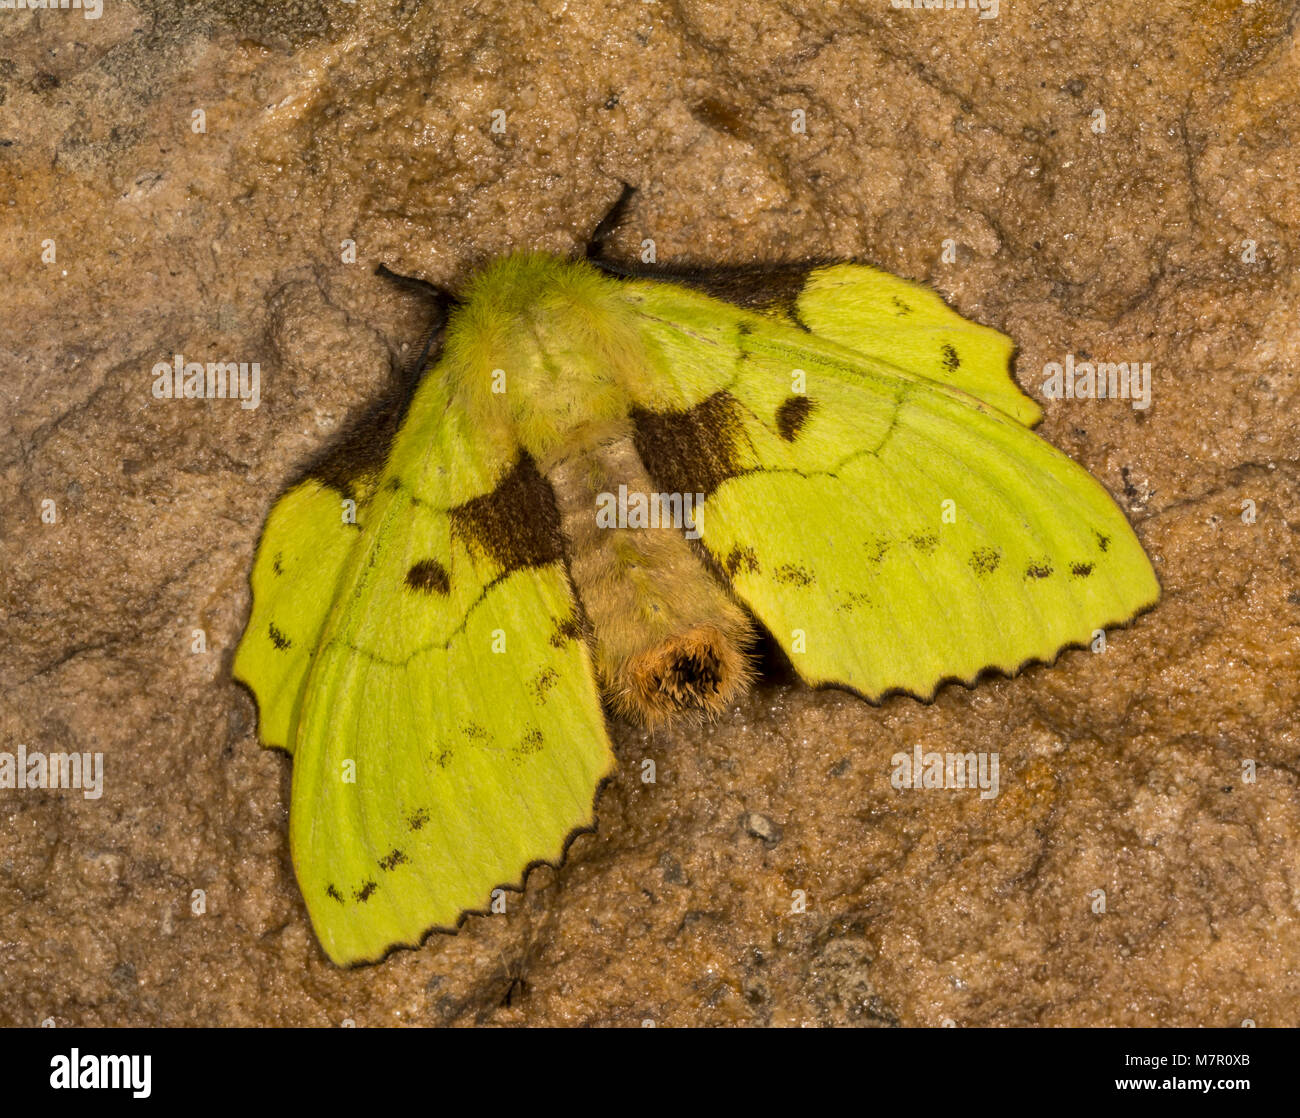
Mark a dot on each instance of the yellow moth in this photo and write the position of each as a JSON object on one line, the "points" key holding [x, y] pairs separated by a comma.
{"points": [[599, 491]]}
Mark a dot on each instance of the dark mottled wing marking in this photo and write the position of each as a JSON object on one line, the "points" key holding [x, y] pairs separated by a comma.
{"points": [[985, 560], [543, 682], [794, 575], [531, 742], [741, 558], [566, 629]]}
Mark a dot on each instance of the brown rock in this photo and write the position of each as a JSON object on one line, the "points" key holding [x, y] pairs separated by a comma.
{"points": [[1138, 865]]}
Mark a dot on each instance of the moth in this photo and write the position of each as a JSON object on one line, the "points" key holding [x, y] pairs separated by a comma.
{"points": [[436, 628]]}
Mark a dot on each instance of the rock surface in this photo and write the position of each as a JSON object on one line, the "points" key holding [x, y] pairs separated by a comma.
{"points": [[1113, 182]]}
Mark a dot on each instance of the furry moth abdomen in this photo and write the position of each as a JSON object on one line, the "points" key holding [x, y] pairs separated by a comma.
{"points": [[667, 638]]}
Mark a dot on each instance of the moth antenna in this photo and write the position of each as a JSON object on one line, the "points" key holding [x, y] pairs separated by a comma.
{"points": [[607, 224], [442, 301]]}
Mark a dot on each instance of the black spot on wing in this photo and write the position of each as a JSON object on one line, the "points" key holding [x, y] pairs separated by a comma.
{"points": [[366, 891], [1081, 570], [332, 892], [691, 451], [278, 639], [1039, 568], [429, 577], [1103, 542], [516, 525], [877, 547], [985, 560], [902, 308], [925, 543], [393, 859], [418, 818], [276, 565], [951, 362], [791, 416]]}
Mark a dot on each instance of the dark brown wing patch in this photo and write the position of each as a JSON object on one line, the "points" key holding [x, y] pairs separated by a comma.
{"points": [[691, 451], [517, 524]]}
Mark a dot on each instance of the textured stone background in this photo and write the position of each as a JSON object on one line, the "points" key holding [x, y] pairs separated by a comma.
{"points": [[328, 121]]}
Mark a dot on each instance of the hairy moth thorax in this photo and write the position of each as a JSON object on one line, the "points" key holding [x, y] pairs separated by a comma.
{"points": [[667, 638], [551, 350]]}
